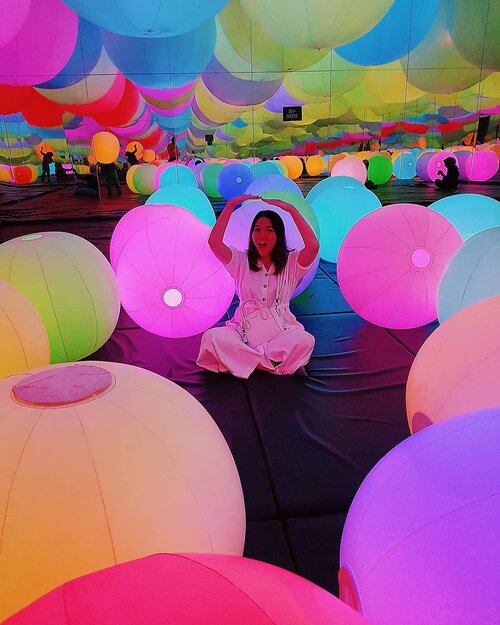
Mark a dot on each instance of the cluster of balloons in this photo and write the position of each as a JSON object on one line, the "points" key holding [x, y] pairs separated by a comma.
{"points": [[382, 68]]}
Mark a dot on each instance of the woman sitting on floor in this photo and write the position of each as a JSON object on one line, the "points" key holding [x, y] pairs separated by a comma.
{"points": [[267, 273]]}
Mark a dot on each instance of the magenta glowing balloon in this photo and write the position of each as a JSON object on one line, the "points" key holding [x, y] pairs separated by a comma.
{"points": [[433, 164], [391, 261], [42, 45], [12, 20], [481, 165], [421, 541], [238, 230], [170, 281], [351, 167], [273, 182], [188, 589]]}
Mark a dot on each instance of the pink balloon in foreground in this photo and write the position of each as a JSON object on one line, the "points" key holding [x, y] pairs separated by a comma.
{"points": [[391, 261], [189, 589], [350, 166], [421, 540], [456, 369], [42, 45], [170, 281]]}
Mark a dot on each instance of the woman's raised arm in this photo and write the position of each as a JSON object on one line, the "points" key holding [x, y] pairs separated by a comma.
{"points": [[216, 238]]}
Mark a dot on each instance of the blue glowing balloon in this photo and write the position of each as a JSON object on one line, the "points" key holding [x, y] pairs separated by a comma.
{"points": [[154, 18], [190, 198], [338, 209], [331, 182], [273, 182], [405, 166], [402, 28], [163, 63], [87, 51], [470, 213], [233, 180], [177, 174], [473, 274]]}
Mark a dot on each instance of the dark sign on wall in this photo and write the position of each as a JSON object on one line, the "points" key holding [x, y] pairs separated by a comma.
{"points": [[292, 113], [209, 139]]}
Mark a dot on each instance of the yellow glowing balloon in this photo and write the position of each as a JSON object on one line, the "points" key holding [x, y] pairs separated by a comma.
{"points": [[5, 173], [335, 159], [105, 147], [103, 463], [315, 165], [130, 178], [24, 340]]}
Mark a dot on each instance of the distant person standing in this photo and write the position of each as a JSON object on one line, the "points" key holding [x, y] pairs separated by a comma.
{"points": [[46, 162], [110, 175], [131, 156], [173, 150]]}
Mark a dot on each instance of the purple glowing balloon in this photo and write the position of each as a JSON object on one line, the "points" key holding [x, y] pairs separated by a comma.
{"points": [[390, 263], [273, 182], [170, 282], [432, 162], [421, 541], [238, 230], [42, 44]]}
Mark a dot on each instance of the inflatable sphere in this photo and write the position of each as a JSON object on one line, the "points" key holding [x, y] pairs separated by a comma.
{"points": [[70, 284], [481, 165], [190, 198], [153, 19], [294, 166], [130, 178], [24, 340], [188, 290], [12, 20], [238, 230], [474, 33], [189, 589], [273, 183], [198, 170], [24, 174], [337, 209], [233, 180], [105, 147], [144, 179], [379, 169], [148, 155], [315, 165], [46, 147], [470, 213], [176, 174], [404, 166], [209, 177], [430, 163], [111, 463], [390, 263], [331, 182], [472, 275], [5, 173], [420, 543], [267, 168], [456, 369], [135, 144], [351, 167]]}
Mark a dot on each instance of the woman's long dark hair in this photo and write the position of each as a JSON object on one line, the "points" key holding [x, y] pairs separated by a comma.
{"points": [[279, 253]]}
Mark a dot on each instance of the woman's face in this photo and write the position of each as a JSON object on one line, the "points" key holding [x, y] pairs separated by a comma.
{"points": [[263, 236]]}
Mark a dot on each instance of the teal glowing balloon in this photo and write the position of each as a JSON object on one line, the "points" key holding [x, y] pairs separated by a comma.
{"points": [[470, 213], [330, 183], [338, 209], [177, 174], [473, 274], [154, 18], [405, 166], [188, 197], [267, 168]]}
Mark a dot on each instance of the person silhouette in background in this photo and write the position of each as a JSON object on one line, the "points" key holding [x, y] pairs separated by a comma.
{"points": [[46, 161], [110, 175], [173, 150], [131, 156], [448, 181]]}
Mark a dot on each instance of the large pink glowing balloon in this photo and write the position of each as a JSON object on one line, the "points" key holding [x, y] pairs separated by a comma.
{"points": [[42, 45], [189, 589], [456, 369], [170, 282], [481, 165], [238, 230], [351, 167], [421, 540], [391, 261], [12, 20]]}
